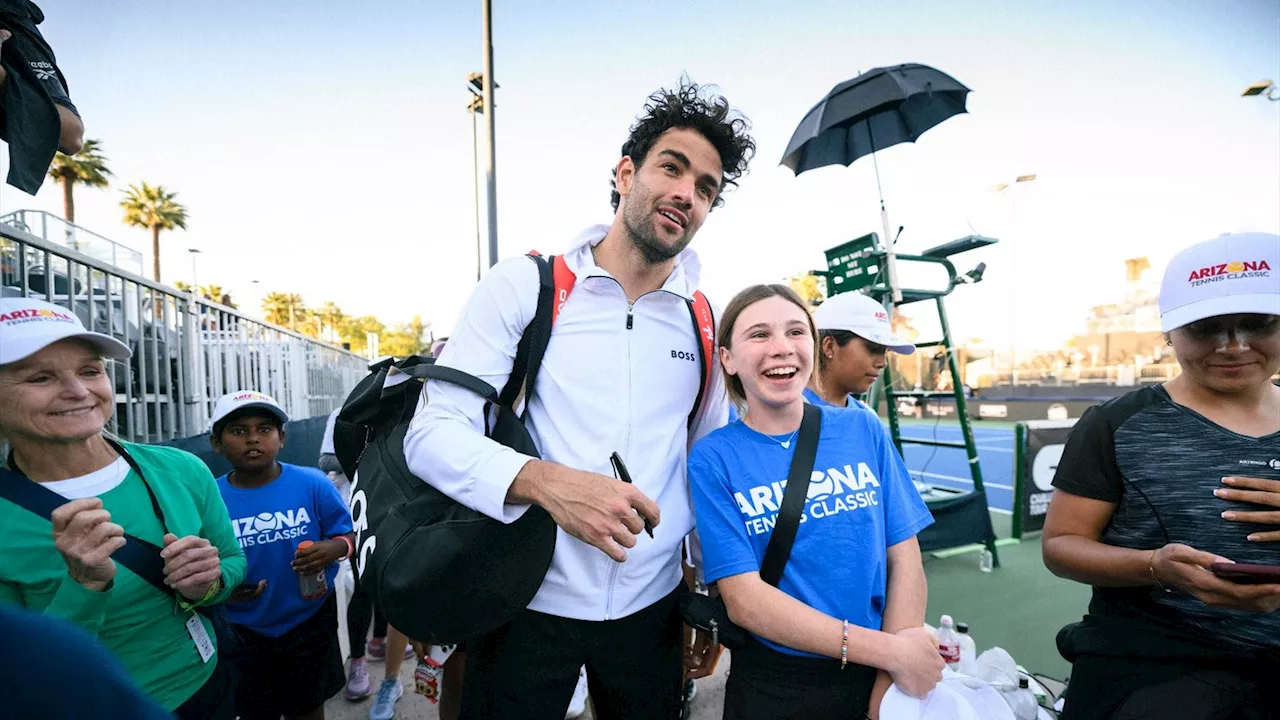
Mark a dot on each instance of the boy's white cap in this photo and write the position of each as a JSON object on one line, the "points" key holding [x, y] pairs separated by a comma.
{"points": [[233, 402], [863, 316], [28, 326], [1226, 275]]}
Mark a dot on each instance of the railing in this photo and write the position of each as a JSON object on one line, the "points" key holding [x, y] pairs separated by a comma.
{"points": [[1116, 375], [60, 232], [187, 351]]}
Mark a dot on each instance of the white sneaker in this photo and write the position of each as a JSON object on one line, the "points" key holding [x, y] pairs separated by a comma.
{"points": [[578, 703]]}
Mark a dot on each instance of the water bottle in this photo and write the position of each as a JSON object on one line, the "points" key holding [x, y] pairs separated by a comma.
{"points": [[949, 643], [986, 561], [315, 585], [1021, 701], [968, 651]]}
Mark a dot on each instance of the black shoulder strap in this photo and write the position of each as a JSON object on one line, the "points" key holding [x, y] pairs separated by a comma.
{"points": [[453, 377], [784, 532], [533, 343]]}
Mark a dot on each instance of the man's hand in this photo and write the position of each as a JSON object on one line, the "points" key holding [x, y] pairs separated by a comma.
{"points": [[597, 509], [85, 537], [191, 565], [314, 558], [1265, 493], [917, 666], [1187, 569], [247, 594]]}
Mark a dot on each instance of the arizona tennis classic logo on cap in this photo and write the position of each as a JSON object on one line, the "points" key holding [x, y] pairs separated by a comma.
{"points": [[247, 396], [1234, 270], [28, 315]]}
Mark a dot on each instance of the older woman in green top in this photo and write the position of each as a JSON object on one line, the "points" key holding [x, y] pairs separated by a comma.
{"points": [[55, 400]]}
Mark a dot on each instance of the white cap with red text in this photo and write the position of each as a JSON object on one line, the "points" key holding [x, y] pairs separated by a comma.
{"points": [[28, 326], [1227, 275], [863, 316], [236, 401]]}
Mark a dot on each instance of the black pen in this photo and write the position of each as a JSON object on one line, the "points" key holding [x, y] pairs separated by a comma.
{"points": [[620, 471]]}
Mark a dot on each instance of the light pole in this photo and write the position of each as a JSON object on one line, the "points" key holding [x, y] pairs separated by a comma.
{"points": [[491, 171], [195, 280], [475, 84], [1265, 88], [1013, 269]]}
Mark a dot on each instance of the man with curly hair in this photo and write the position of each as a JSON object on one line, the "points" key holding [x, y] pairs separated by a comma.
{"points": [[620, 377]]}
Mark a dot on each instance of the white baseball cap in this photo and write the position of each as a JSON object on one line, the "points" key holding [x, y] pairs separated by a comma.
{"points": [[236, 401], [28, 326], [863, 316], [1229, 274]]}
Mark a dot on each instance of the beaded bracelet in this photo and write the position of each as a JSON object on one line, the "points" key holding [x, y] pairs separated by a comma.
{"points": [[844, 646]]}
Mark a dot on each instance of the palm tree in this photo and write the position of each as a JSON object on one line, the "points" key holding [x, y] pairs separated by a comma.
{"points": [[330, 315], [284, 309], [87, 167], [154, 208], [217, 294]]}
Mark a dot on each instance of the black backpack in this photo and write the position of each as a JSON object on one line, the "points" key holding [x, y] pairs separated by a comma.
{"points": [[441, 572]]}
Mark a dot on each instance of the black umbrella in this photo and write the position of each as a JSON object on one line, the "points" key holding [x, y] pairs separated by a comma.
{"points": [[878, 109]]}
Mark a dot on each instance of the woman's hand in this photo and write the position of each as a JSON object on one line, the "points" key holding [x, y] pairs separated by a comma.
{"points": [[917, 666], [1187, 569], [1264, 493], [85, 537], [191, 565]]}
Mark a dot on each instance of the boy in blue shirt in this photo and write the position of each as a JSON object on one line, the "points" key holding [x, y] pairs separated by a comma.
{"points": [[288, 655]]}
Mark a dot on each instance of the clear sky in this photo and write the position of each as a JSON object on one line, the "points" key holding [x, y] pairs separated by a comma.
{"points": [[324, 147]]}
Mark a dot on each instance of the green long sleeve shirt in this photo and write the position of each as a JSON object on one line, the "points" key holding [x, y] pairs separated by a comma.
{"points": [[144, 627]]}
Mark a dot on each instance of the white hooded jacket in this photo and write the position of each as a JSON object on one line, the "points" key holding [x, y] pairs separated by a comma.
{"points": [[617, 377]]}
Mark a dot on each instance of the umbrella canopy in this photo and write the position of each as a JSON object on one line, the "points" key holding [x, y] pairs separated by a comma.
{"points": [[878, 109]]}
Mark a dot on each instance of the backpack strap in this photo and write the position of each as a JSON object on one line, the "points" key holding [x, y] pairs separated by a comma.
{"points": [[533, 342], [704, 326], [564, 280]]}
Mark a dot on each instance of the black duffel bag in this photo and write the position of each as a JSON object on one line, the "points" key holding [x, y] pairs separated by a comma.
{"points": [[440, 572]]}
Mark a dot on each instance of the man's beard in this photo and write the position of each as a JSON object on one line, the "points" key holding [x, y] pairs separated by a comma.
{"points": [[638, 220]]}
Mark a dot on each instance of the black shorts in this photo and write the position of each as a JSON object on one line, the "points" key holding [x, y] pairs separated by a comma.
{"points": [[292, 674], [765, 684]]}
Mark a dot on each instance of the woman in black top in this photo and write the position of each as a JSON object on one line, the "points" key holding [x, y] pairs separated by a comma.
{"points": [[1141, 509]]}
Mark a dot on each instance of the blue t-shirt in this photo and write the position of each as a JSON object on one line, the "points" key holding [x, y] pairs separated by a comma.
{"points": [[861, 501], [270, 522]]}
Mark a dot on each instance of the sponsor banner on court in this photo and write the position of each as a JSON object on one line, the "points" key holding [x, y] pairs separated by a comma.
{"points": [[1042, 444]]}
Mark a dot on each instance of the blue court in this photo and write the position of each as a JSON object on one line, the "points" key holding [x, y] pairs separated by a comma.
{"points": [[949, 467]]}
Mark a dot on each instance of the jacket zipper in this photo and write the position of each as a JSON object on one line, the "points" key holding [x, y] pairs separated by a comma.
{"points": [[631, 307]]}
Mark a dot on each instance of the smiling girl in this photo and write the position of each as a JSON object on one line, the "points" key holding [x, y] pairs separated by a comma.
{"points": [[854, 586]]}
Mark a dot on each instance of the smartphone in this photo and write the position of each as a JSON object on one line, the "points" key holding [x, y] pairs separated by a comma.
{"points": [[1246, 574]]}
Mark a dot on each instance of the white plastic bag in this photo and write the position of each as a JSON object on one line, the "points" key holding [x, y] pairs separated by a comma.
{"points": [[957, 697], [996, 667]]}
